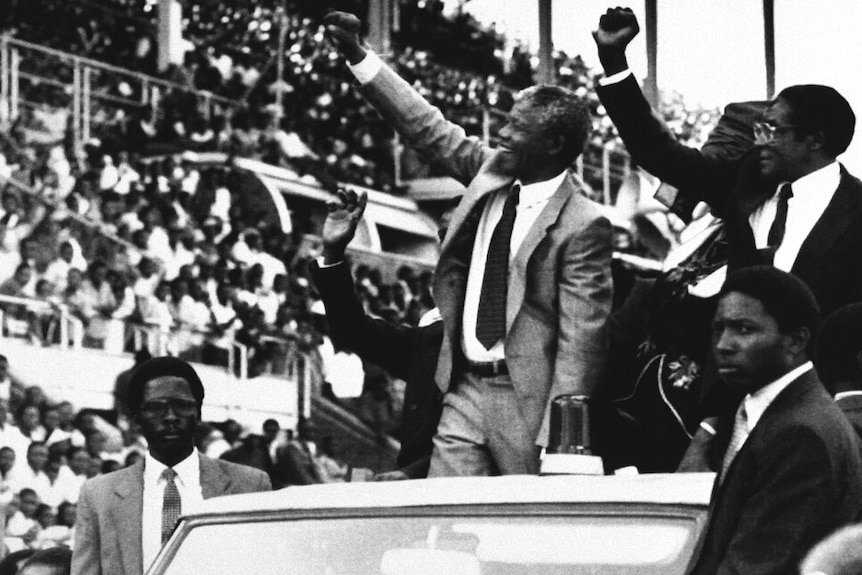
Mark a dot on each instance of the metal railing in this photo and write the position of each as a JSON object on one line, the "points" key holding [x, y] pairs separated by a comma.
{"points": [[71, 329]]}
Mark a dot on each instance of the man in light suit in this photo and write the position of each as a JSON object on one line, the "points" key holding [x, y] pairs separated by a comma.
{"points": [[787, 201], [540, 332], [788, 462], [124, 517]]}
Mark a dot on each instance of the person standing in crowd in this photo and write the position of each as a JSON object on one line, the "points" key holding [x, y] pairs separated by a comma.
{"points": [[409, 353], [839, 360], [788, 462], [523, 282], [124, 517], [787, 202], [294, 460]]}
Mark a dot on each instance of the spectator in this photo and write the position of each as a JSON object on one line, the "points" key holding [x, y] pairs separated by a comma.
{"points": [[8, 486], [294, 461], [32, 475], [52, 561], [21, 528]]}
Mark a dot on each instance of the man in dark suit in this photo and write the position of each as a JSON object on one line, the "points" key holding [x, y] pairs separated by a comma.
{"points": [[523, 282], [839, 360], [124, 517], [789, 466], [409, 353], [786, 202]]}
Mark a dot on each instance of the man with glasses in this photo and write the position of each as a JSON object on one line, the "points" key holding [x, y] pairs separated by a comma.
{"points": [[786, 202], [125, 517]]}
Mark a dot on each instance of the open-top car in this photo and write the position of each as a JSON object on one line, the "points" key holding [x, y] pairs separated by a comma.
{"points": [[645, 524]]}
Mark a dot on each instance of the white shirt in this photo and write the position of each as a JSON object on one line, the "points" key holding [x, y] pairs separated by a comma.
{"points": [[188, 482], [811, 194], [756, 403], [533, 199]]}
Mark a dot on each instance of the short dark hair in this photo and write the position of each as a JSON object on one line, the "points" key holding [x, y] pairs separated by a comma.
{"points": [[816, 108], [161, 367], [784, 297], [839, 342], [561, 113]]}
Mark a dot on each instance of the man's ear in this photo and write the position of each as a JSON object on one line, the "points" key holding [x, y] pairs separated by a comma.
{"points": [[817, 141], [555, 145], [797, 341], [859, 361]]}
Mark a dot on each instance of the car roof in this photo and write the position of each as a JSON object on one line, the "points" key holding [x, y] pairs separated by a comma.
{"points": [[664, 489]]}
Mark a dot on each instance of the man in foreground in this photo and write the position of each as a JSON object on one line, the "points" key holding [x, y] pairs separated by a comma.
{"points": [[789, 468], [125, 517]]}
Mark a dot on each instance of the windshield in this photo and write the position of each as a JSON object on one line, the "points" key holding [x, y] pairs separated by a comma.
{"points": [[463, 545]]}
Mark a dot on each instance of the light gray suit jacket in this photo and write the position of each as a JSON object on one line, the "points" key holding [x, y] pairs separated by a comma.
{"points": [[560, 288], [110, 510]]}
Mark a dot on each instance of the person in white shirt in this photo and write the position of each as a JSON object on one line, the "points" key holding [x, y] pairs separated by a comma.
{"points": [[165, 398]]}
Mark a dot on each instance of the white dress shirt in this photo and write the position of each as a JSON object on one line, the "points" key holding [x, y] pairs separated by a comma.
{"points": [[756, 403], [811, 194], [188, 482], [533, 199]]}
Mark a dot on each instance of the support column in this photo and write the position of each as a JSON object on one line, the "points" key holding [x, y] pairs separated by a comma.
{"points": [[546, 43], [170, 33]]}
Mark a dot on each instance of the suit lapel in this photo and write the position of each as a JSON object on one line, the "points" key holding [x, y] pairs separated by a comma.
{"points": [[839, 214], [127, 516], [517, 283], [213, 481]]}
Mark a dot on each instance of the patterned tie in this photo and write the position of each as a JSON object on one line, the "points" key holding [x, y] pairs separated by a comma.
{"points": [[779, 225], [737, 439], [171, 505], [491, 315]]}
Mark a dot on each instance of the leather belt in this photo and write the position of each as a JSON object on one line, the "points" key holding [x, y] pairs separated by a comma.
{"points": [[488, 368]]}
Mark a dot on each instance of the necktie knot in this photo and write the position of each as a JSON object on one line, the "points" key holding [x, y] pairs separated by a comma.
{"points": [[169, 474], [514, 195]]}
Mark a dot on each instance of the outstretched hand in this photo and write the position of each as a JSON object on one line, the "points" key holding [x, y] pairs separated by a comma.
{"points": [[340, 226], [343, 29], [617, 28]]}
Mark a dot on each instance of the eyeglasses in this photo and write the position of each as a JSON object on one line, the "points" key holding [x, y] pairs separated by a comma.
{"points": [[764, 132], [158, 408]]}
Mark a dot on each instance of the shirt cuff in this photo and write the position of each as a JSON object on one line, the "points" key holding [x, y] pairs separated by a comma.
{"points": [[613, 78], [323, 265], [367, 68]]}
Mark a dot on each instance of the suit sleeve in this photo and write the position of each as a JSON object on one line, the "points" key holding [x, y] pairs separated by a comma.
{"points": [[585, 297], [423, 126], [392, 348], [703, 177], [86, 555], [789, 511]]}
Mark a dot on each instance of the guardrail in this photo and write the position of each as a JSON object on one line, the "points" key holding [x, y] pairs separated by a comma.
{"points": [[71, 329]]}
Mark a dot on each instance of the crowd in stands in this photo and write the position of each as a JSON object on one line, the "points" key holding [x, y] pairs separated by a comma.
{"points": [[49, 448], [323, 129]]}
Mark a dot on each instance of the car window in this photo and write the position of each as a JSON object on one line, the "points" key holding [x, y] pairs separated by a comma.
{"points": [[463, 545]]}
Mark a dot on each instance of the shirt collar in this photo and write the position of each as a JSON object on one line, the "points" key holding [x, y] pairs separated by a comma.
{"points": [[532, 194], [756, 403], [810, 187], [186, 469]]}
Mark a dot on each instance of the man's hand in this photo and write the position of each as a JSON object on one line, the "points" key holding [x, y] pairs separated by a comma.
{"points": [[340, 225], [343, 29], [617, 28]]}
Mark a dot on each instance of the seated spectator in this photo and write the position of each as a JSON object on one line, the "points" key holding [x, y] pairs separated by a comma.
{"points": [[11, 436], [28, 418], [97, 303], [21, 527], [51, 561], [8, 486], [32, 475]]}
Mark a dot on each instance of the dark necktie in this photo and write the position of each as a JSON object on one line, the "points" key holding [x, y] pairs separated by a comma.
{"points": [[779, 224], [171, 504], [491, 315]]}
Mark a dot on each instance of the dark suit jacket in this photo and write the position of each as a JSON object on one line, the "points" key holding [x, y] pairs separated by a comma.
{"points": [[110, 507], [559, 291], [733, 187], [408, 353], [796, 479]]}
